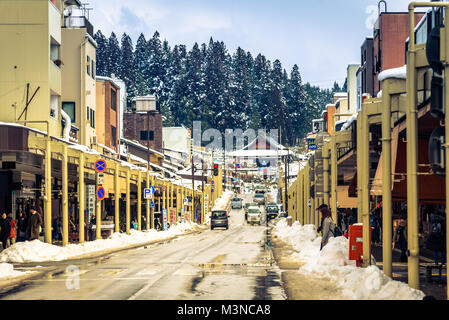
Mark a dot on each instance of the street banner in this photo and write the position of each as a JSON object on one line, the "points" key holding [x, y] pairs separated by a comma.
{"points": [[164, 215], [172, 217]]}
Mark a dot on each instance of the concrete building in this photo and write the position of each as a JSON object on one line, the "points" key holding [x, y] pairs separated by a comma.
{"points": [[108, 114], [30, 67], [367, 66], [177, 139], [78, 53], [144, 124], [390, 33], [352, 90]]}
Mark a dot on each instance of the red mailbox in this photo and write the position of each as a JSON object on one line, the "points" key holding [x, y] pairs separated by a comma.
{"points": [[356, 242]]}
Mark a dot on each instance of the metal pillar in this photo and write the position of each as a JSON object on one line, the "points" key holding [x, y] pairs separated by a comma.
{"points": [[48, 194], [359, 168], [365, 189], [65, 196], [81, 197], [334, 177], [117, 197], [307, 194], [139, 200], [151, 220], [128, 201], [326, 173], [387, 208], [412, 159], [147, 208]]}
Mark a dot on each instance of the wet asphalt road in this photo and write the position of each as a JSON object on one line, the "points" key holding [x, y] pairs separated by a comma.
{"points": [[212, 265]]}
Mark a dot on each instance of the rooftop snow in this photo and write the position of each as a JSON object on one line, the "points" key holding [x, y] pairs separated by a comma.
{"points": [[396, 73]]}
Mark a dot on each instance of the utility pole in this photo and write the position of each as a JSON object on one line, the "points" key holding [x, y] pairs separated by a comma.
{"points": [[193, 178], [224, 166]]}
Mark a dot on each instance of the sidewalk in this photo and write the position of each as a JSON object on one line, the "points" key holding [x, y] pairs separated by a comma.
{"points": [[309, 273]]}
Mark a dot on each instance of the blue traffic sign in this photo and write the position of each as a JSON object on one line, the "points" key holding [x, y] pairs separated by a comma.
{"points": [[100, 165], [152, 204], [147, 192], [212, 182], [101, 193]]}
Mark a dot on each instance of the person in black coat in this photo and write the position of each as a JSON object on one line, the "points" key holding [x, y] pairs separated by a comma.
{"points": [[21, 227], [436, 239], [5, 230]]}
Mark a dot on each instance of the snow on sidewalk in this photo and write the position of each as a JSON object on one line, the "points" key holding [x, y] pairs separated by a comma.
{"points": [[38, 251], [332, 262], [7, 272]]}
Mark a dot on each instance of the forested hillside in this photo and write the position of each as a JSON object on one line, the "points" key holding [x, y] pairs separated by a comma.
{"points": [[208, 83]]}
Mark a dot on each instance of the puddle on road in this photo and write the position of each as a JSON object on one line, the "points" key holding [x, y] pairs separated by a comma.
{"points": [[264, 272]]}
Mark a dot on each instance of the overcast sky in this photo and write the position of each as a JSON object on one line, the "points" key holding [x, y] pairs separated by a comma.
{"points": [[322, 36]]}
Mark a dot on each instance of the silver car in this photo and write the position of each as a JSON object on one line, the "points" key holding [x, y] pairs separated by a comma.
{"points": [[236, 203]]}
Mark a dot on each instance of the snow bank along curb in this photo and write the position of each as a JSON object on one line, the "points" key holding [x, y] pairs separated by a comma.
{"points": [[37, 251], [10, 277], [332, 262]]}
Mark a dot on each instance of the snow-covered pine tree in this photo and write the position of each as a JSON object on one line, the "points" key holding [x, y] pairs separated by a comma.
{"points": [[126, 68], [241, 89], [102, 48], [112, 56], [140, 66]]}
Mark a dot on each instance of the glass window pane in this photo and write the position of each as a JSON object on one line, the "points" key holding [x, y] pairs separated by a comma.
{"points": [[69, 108]]}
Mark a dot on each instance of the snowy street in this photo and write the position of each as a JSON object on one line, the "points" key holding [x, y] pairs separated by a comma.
{"points": [[213, 264]]}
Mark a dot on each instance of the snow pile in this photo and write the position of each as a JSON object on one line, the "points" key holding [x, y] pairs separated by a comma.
{"points": [[397, 73], [37, 251], [222, 202], [7, 271], [332, 262]]}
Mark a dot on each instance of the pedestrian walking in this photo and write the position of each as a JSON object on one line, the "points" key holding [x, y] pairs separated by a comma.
{"points": [[353, 217], [400, 238], [12, 236], [436, 239], [327, 227], [34, 225], [55, 234], [93, 222], [5, 231], [21, 227], [374, 222]]}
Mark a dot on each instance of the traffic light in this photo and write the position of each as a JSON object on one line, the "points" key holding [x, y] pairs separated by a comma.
{"points": [[265, 174], [215, 169]]}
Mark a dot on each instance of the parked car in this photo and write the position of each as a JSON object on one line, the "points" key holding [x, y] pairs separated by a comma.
{"points": [[259, 198], [272, 210], [219, 218], [254, 215], [236, 203]]}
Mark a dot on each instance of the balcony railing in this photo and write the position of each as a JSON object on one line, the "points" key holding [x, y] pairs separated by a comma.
{"points": [[79, 22]]}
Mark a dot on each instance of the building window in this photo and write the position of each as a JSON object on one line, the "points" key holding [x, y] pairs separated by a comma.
{"points": [[88, 110], [92, 118], [113, 135], [88, 65], [69, 108], [143, 135], [94, 72], [113, 100]]}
